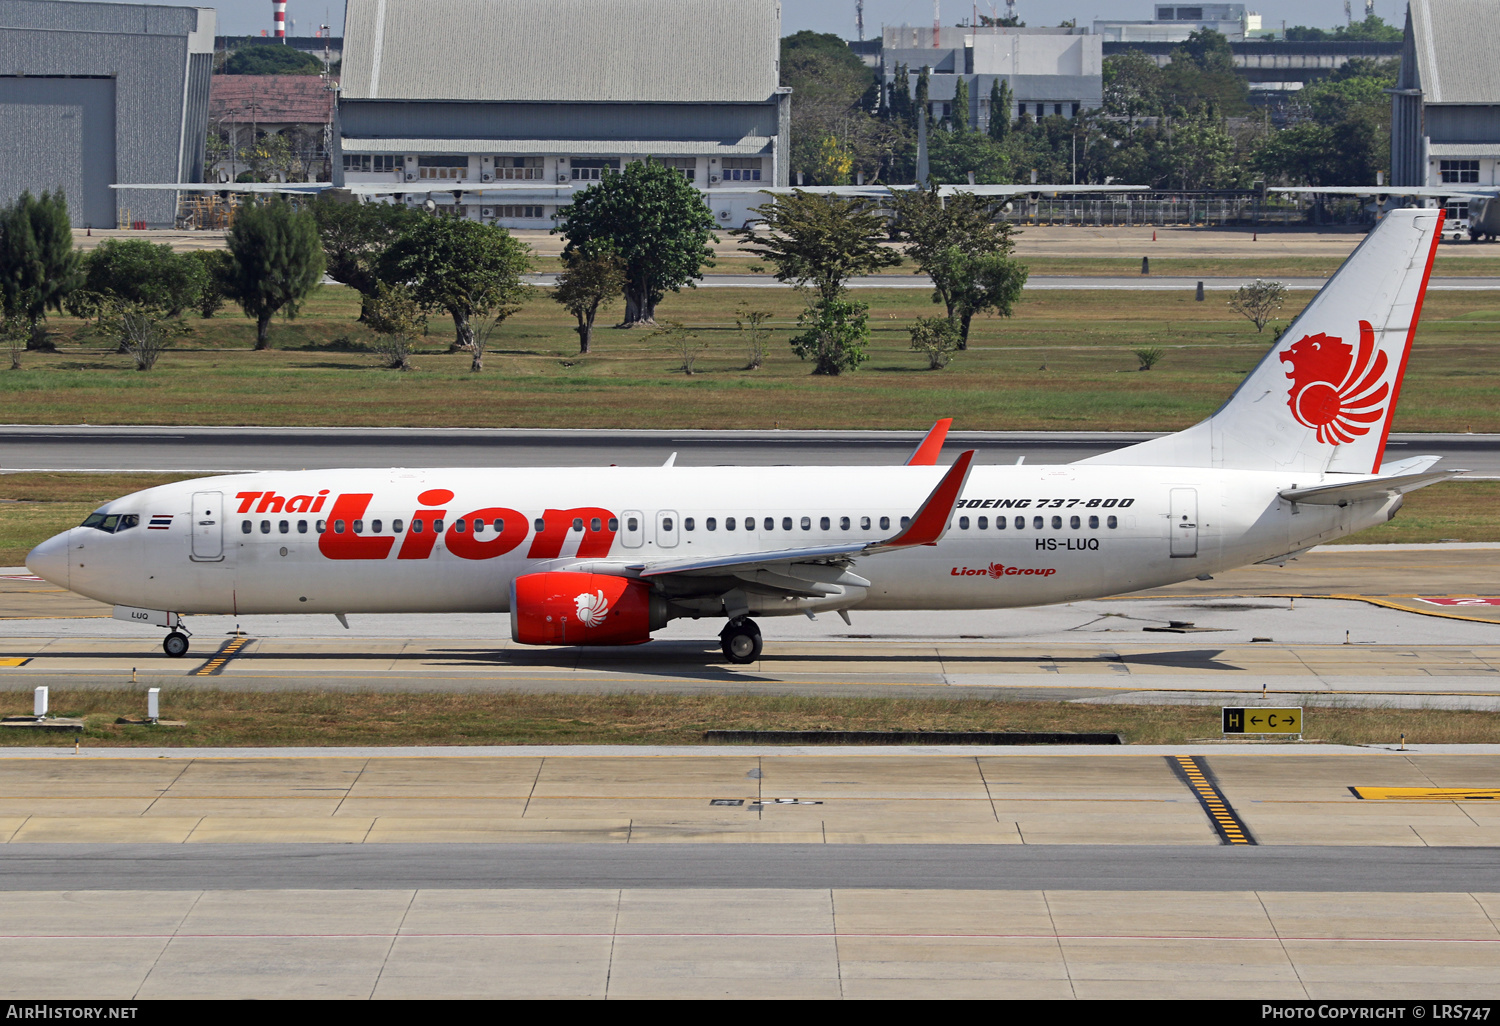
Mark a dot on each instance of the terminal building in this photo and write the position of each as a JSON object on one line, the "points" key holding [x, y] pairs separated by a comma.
{"points": [[1174, 23], [1445, 109], [93, 94], [439, 92], [1050, 70]]}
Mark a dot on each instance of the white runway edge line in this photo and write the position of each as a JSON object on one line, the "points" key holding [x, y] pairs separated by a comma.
{"points": [[746, 751]]}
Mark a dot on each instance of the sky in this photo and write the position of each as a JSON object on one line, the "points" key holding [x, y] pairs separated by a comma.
{"points": [[249, 17]]}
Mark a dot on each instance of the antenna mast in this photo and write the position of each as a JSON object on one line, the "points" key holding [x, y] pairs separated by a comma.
{"points": [[937, 23], [859, 19]]}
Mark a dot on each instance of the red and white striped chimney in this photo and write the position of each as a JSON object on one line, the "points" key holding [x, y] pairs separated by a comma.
{"points": [[279, 6]]}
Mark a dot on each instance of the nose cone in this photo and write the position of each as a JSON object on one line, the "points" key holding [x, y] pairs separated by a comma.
{"points": [[49, 560]]}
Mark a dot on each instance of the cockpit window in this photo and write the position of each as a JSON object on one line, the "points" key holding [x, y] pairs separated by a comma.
{"points": [[111, 523]]}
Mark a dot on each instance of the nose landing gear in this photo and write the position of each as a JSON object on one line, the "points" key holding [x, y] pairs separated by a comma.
{"points": [[175, 644], [740, 640]]}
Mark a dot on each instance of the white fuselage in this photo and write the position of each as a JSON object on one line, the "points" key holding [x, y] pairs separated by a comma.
{"points": [[1070, 532]]}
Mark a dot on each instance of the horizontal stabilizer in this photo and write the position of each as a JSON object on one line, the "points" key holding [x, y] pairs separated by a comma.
{"points": [[1364, 488]]}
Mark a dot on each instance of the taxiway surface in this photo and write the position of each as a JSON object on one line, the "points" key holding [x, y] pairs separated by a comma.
{"points": [[215, 449]]}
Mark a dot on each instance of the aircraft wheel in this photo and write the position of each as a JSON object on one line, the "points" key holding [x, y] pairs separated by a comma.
{"points": [[175, 644], [741, 641]]}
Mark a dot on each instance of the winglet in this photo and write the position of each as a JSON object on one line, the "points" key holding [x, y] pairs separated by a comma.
{"points": [[931, 521], [926, 454]]}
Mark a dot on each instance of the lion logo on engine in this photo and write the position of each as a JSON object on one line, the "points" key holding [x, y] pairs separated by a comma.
{"points": [[1336, 390], [592, 609]]}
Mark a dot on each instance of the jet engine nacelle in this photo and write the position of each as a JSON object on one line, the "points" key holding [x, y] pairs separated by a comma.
{"points": [[568, 608]]}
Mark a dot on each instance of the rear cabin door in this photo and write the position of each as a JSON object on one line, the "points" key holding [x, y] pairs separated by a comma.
{"points": [[208, 526], [1184, 525]]}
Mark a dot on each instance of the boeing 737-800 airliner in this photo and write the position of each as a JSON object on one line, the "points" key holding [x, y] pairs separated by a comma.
{"points": [[605, 556]]}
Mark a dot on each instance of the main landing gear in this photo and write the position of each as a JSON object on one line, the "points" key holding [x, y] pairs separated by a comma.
{"points": [[740, 640], [175, 644]]}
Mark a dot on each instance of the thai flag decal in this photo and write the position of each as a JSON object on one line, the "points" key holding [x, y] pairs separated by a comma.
{"points": [[159, 522]]}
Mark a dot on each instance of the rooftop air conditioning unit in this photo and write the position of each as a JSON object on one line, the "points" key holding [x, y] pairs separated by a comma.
{"points": [[713, 179], [561, 179], [486, 211], [411, 176], [488, 177], [723, 215]]}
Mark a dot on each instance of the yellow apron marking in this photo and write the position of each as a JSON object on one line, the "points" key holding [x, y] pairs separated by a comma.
{"points": [[15, 661], [1428, 794]]}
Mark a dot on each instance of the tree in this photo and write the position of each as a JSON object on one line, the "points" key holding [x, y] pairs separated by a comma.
{"points": [[271, 59], [819, 241], [355, 236], [655, 221], [835, 335], [1001, 101], [14, 334], [587, 283], [1202, 74], [940, 234], [38, 264], [140, 333], [277, 262], [461, 266], [923, 101], [397, 319], [936, 338], [753, 329], [682, 341], [217, 269], [961, 106], [986, 282], [1132, 86], [1259, 301], [145, 275]]}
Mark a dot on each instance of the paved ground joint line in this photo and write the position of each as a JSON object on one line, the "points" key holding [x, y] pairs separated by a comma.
{"points": [[1062, 953], [833, 917], [534, 780], [167, 944], [1195, 773], [395, 936], [614, 933], [352, 785], [990, 797], [186, 764], [1281, 941]]}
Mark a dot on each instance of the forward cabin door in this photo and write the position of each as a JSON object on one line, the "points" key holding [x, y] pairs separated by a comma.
{"points": [[208, 526], [1184, 525]]}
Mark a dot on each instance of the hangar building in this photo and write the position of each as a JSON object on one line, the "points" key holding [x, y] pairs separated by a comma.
{"points": [[1445, 109], [527, 96], [97, 93]]}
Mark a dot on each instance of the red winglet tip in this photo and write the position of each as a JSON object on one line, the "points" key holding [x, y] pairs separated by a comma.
{"points": [[926, 454]]}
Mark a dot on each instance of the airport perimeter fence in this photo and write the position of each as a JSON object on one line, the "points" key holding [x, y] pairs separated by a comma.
{"points": [[1236, 208]]}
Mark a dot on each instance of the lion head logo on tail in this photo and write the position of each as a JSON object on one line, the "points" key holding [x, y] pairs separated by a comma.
{"points": [[1335, 389]]}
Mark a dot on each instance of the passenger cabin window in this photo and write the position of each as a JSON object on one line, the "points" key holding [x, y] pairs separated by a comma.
{"points": [[321, 526], [338, 527], [265, 527], [437, 526], [578, 523], [1112, 522], [864, 523], [1036, 523], [632, 524], [687, 523], [375, 526], [460, 525], [786, 523], [245, 527], [359, 527], [666, 525], [885, 523], [285, 527], [904, 522], [843, 523], [770, 524], [982, 523], [396, 527], [823, 524], [302, 526], [416, 526], [807, 523], [963, 523], [614, 524], [710, 524], [1057, 523], [595, 524]]}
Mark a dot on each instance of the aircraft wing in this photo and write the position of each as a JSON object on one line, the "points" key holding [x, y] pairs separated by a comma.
{"points": [[926, 453], [1415, 191], [250, 187], [774, 568]]}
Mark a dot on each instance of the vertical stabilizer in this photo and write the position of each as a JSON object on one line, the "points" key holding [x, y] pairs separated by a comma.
{"points": [[1322, 399]]}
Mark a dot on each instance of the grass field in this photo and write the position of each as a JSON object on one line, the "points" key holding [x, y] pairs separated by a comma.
{"points": [[322, 718], [1447, 265], [1064, 361], [34, 507]]}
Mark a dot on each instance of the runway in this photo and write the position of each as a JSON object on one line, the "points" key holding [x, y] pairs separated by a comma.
{"points": [[229, 449], [1066, 283], [913, 867]]}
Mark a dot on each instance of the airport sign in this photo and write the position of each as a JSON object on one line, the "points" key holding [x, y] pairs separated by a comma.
{"points": [[1262, 721]]}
